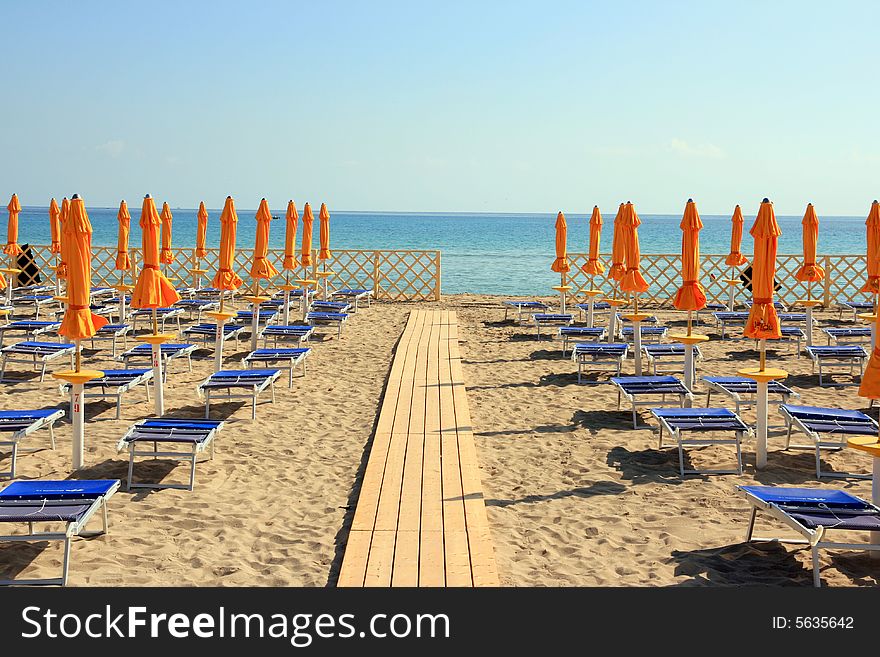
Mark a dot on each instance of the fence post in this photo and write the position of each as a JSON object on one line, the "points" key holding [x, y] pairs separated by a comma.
{"points": [[376, 290], [437, 277], [826, 301]]}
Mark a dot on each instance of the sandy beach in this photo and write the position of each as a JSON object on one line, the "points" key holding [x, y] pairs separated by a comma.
{"points": [[575, 496]]}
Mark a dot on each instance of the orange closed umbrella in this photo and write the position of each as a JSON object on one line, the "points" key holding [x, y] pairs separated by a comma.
{"points": [[324, 232], [690, 295], [763, 323], [226, 278], [810, 272], [166, 257], [202, 232], [633, 281], [593, 266], [735, 258], [12, 248], [261, 268], [123, 262], [61, 270], [306, 254], [55, 226], [618, 250], [560, 264], [79, 321], [872, 285], [290, 237], [152, 289]]}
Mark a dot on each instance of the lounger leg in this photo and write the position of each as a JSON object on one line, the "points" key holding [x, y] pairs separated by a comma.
{"points": [[66, 561], [818, 463], [254, 406], [680, 455], [118, 406], [207, 405], [129, 481], [14, 454], [192, 473], [43, 371], [817, 581], [751, 528], [52, 435]]}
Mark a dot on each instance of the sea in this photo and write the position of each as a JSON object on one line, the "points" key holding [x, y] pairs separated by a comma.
{"points": [[483, 253]]}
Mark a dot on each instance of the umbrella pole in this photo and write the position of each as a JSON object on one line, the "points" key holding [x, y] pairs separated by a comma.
{"points": [[591, 301], [637, 336], [57, 280], [286, 314], [77, 398], [255, 316], [732, 297], [156, 346], [612, 315]]}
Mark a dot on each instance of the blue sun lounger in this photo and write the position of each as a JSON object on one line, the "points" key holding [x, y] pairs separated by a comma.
{"points": [[730, 318], [588, 354], [669, 354], [35, 300], [551, 319], [325, 319], [522, 305], [169, 351], [828, 428], [162, 316], [712, 308], [215, 292], [31, 328], [299, 332], [848, 335], [331, 306], [37, 288], [251, 382], [812, 512], [793, 318], [855, 307], [110, 333], [192, 437], [354, 295], [285, 358], [17, 425], [743, 391], [575, 334], [195, 307], [622, 318], [33, 353], [598, 307], [208, 332], [636, 388], [246, 317], [849, 356], [114, 384], [648, 333], [71, 502], [703, 423]]}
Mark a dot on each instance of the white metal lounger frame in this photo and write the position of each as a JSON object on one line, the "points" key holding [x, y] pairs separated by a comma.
{"points": [[166, 358], [739, 400], [819, 443], [72, 529], [292, 362], [33, 333], [111, 338], [621, 393], [843, 362], [174, 313], [653, 336], [574, 338], [195, 310], [585, 358], [325, 321], [36, 302], [300, 338], [269, 382], [13, 440], [724, 321], [95, 391], [703, 441], [670, 359], [812, 537], [860, 339], [519, 309], [550, 323], [209, 335], [355, 298], [31, 357], [191, 455]]}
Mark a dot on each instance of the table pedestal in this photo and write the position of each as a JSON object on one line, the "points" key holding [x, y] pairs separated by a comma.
{"points": [[306, 283], [637, 319], [808, 305], [563, 291], [323, 275], [870, 445], [77, 381], [763, 378], [221, 318], [871, 318], [689, 342], [732, 284], [286, 314], [155, 341], [255, 318], [9, 273], [123, 289], [591, 300]]}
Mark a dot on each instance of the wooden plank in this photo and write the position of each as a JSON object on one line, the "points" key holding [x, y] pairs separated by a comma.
{"points": [[385, 423], [431, 562], [419, 379], [405, 396], [483, 568], [410, 514], [406, 559], [354, 564], [432, 381], [381, 559], [447, 400], [457, 559], [388, 510], [432, 486], [453, 489], [368, 497]]}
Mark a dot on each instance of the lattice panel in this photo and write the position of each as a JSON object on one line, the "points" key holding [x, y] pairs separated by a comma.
{"points": [[355, 269], [409, 275]]}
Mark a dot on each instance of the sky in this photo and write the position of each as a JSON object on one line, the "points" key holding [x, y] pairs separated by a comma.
{"points": [[444, 106]]}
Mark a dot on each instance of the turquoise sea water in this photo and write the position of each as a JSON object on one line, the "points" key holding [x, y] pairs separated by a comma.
{"points": [[481, 253]]}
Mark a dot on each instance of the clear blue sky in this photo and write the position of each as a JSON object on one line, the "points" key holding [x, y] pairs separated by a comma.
{"points": [[446, 106]]}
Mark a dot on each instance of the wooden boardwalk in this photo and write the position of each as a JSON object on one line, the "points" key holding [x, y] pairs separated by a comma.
{"points": [[420, 518]]}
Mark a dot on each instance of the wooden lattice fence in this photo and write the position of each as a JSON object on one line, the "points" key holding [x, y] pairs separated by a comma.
{"points": [[393, 275]]}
